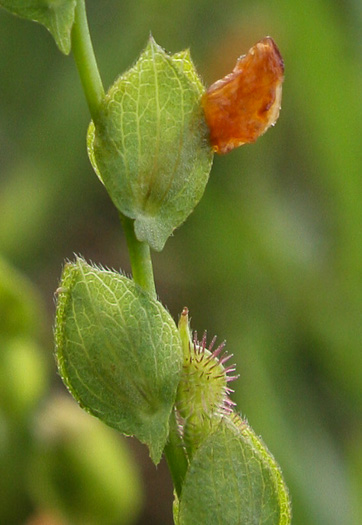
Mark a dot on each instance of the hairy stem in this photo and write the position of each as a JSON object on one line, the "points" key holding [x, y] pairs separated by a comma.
{"points": [[85, 60]]}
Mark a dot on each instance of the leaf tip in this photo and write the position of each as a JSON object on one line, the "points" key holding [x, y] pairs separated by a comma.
{"points": [[152, 44]]}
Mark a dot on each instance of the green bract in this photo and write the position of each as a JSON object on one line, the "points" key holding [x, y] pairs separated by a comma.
{"points": [[233, 479], [56, 15], [149, 145], [118, 351]]}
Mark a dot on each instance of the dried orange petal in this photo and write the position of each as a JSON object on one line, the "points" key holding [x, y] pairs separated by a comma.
{"points": [[243, 105]]}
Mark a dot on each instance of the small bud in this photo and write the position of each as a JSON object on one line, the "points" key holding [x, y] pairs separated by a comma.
{"points": [[202, 395]]}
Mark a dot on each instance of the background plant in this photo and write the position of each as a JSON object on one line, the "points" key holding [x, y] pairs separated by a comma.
{"points": [[56, 463], [292, 279]]}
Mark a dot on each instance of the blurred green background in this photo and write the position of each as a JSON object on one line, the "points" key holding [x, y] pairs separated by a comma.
{"points": [[271, 259]]}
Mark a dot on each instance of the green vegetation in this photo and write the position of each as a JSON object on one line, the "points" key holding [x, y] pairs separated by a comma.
{"points": [[270, 259]]}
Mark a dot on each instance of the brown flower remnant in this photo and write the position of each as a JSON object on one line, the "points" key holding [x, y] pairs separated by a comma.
{"points": [[243, 105]]}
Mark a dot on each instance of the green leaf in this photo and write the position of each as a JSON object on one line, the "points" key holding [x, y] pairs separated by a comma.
{"points": [[149, 145], [56, 15], [118, 351], [233, 479]]}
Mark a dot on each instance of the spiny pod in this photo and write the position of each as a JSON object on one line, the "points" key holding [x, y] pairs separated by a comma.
{"points": [[203, 392]]}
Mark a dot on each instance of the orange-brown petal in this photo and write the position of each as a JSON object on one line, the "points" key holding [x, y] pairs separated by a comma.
{"points": [[244, 104]]}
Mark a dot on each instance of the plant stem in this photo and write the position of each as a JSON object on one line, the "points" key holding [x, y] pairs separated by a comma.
{"points": [[176, 455], [85, 60], [139, 252], [141, 263], [140, 256]]}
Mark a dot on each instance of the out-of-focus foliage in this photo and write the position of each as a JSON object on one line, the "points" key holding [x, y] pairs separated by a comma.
{"points": [[271, 258], [81, 470], [54, 459]]}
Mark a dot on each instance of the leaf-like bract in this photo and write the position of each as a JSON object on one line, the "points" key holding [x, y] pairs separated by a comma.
{"points": [[118, 351], [233, 479], [149, 145], [56, 15]]}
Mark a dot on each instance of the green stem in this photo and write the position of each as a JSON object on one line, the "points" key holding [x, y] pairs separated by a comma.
{"points": [[140, 256], [139, 252], [176, 455], [141, 263], [85, 60]]}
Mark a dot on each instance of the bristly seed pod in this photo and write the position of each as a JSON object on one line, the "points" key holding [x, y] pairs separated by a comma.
{"points": [[203, 392]]}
